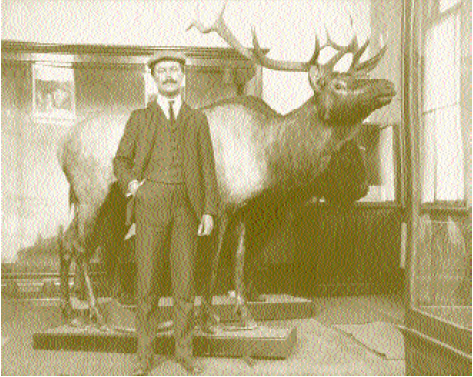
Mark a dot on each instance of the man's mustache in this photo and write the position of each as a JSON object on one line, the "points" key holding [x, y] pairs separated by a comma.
{"points": [[170, 82]]}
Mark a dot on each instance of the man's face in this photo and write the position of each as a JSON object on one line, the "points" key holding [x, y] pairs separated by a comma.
{"points": [[169, 77]]}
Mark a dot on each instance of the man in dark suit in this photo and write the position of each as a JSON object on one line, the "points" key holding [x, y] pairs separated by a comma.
{"points": [[165, 161]]}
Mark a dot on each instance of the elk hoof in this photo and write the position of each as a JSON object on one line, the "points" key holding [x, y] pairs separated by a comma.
{"points": [[209, 321], [96, 317], [79, 293], [253, 294], [67, 312], [245, 318], [126, 300], [115, 292]]}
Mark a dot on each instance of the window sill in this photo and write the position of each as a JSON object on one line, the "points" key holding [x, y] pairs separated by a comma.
{"points": [[386, 204], [446, 207]]}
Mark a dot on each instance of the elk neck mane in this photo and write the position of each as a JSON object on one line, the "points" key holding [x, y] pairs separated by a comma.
{"points": [[299, 141], [290, 147]]}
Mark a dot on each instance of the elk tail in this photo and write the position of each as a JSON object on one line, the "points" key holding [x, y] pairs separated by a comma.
{"points": [[60, 236], [72, 197]]}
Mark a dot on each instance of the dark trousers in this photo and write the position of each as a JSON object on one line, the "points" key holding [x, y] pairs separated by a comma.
{"points": [[159, 209]]}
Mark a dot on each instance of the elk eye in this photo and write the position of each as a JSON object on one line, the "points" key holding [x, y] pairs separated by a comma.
{"points": [[338, 86]]}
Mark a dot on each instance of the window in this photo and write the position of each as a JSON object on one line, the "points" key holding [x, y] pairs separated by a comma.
{"points": [[443, 155]]}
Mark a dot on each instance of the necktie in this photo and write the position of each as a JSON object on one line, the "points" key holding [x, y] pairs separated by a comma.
{"points": [[171, 112]]}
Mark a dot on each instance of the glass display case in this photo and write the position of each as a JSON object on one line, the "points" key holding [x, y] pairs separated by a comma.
{"points": [[438, 328], [437, 108]]}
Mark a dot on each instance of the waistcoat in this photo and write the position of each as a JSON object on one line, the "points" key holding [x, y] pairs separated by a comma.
{"points": [[165, 163]]}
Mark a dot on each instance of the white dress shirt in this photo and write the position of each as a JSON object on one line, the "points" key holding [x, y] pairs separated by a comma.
{"points": [[163, 102]]}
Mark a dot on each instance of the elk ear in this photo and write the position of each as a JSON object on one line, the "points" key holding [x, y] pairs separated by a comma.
{"points": [[314, 74]]}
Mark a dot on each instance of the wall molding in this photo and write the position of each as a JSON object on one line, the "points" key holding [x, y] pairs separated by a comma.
{"points": [[76, 54]]}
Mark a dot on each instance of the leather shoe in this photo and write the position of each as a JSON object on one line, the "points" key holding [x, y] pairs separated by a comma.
{"points": [[189, 365]]}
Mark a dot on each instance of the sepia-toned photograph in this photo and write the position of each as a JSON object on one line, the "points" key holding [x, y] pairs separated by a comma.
{"points": [[229, 187]]}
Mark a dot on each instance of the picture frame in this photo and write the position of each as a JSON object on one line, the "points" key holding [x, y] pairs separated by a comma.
{"points": [[53, 92]]}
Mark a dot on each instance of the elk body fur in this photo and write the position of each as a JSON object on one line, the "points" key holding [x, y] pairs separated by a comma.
{"points": [[256, 148]]}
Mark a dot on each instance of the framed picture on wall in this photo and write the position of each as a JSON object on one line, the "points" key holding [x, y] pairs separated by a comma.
{"points": [[53, 92]]}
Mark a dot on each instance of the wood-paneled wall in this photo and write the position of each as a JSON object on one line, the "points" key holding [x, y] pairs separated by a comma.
{"points": [[319, 250]]}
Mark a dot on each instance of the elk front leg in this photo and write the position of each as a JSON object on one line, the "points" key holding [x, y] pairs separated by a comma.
{"points": [[246, 320], [114, 266]]}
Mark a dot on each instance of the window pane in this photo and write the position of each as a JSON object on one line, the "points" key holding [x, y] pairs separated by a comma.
{"points": [[443, 161], [429, 163], [441, 65], [445, 4], [449, 154], [442, 168]]}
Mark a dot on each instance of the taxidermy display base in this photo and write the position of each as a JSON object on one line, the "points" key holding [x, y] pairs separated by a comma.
{"points": [[118, 335], [260, 343]]}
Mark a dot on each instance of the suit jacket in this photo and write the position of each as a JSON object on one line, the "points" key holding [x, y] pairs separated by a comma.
{"points": [[198, 164]]}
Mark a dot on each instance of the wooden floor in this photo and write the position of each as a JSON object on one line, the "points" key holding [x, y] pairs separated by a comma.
{"points": [[337, 340]]}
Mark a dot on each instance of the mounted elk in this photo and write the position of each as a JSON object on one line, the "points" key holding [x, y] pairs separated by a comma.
{"points": [[265, 159], [266, 163]]}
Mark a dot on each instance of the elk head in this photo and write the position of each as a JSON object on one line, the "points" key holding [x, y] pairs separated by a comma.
{"points": [[343, 98]]}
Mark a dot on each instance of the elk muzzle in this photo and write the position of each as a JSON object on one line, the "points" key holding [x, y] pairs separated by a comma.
{"points": [[384, 93]]}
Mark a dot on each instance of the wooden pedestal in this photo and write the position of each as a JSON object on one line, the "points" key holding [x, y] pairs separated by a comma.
{"points": [[119, 333], [262, 343]]}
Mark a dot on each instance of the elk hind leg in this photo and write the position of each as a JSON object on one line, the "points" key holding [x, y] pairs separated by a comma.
{"points": [[65, 301], [85, 251], [65, 257]]}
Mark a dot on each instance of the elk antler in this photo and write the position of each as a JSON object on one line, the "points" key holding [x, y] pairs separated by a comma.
{"points": [[369, 65], [355, 67], [281, 65], [258, 55], [352, 47], [357, 55], [223, 31], [341, 50]]}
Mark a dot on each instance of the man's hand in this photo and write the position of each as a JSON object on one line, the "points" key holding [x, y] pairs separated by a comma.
{"points": [[133, 187], [206, 225]]}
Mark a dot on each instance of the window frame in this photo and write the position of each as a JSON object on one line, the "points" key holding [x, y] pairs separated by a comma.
{"points": [[431, 17]]}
